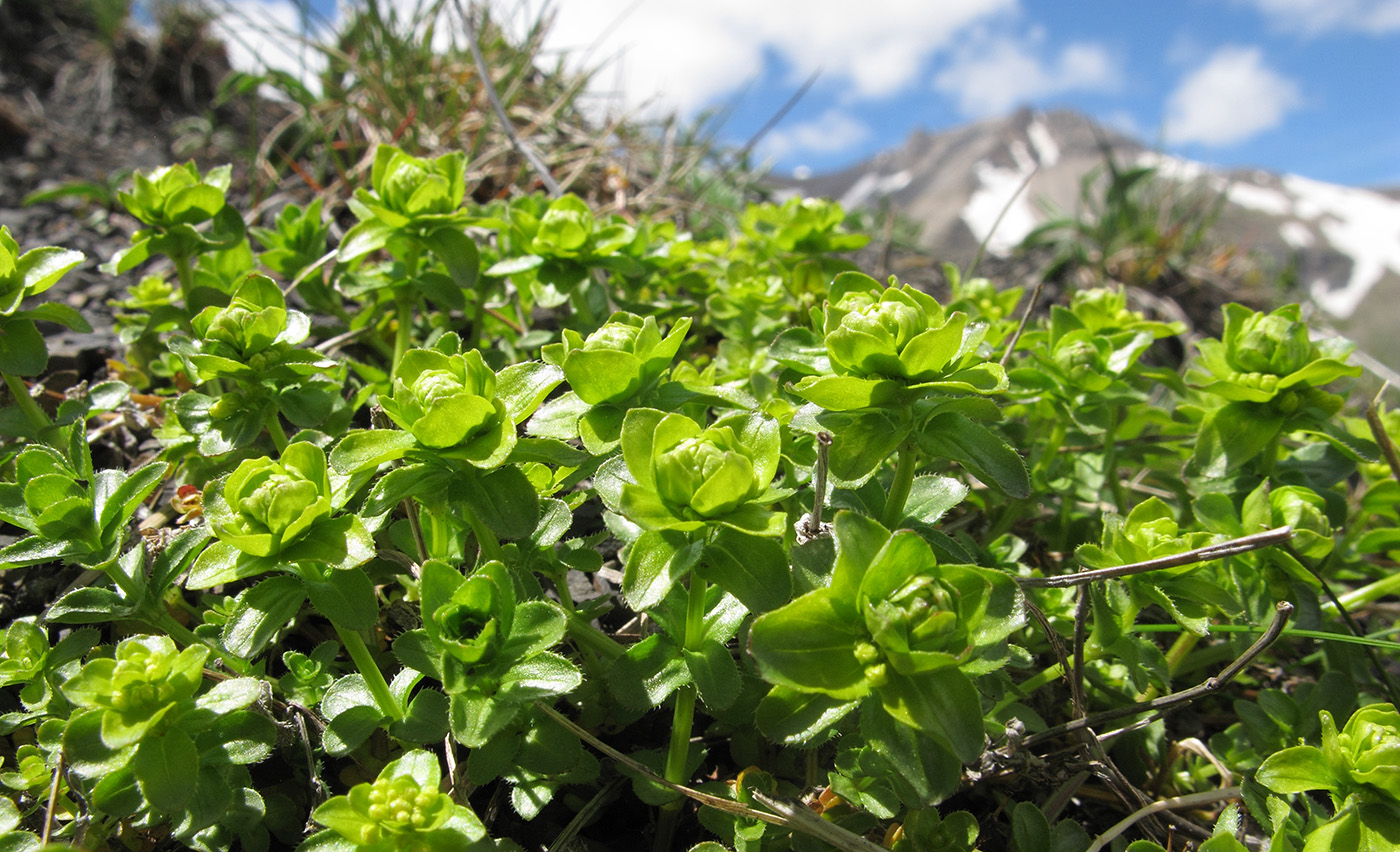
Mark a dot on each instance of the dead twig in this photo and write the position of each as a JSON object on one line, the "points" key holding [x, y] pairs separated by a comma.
{"points": [[1209, 553], [519, 144], [1193, 800], [1206, 687]]}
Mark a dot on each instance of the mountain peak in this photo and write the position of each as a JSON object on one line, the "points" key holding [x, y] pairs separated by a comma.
{"points": [[993, 180]]}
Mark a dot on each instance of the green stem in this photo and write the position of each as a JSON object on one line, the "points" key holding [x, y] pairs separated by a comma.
{"points": [[274, 428], [32, 412], [591, 638], [900, 485], [369, 669], [184, 273], [1110, 463], [1058, 430], [404, 333], [1268, 457], [485, 539], [1183, 646], [1031, 684], [684, 718], [1368, 593], [405, 300]]}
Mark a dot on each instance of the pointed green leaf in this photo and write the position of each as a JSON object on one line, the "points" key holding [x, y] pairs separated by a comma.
{"points": [[752, 569], [953, 436]]}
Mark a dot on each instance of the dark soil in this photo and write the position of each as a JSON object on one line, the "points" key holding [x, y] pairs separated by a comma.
{"points": [[77, 108]]}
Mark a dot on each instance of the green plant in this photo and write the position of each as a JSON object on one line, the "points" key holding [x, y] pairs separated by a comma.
{"points": [[898, 553]]}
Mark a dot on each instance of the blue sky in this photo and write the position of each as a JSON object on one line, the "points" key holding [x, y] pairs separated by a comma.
{"points": [[1310, 87]]}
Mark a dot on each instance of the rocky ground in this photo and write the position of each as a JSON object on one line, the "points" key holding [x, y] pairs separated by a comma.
{"points": [[77, 109]]}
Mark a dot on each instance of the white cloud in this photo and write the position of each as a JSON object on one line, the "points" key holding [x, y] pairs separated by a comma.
{"points": [[1232, 97], [266, 34], [990, 75], [832, 133], [684, 55], [1314, 17]]}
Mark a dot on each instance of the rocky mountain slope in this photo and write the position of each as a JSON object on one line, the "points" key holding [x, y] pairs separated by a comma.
{"points": [[1343, 242]]}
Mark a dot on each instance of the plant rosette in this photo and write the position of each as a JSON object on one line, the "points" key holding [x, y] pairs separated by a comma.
{"points": [[607, 373], [250, 337], [84, 524], [140, 726], [890, 347], [280, 515], [452, 407], [1271, 358], [675, 474], [22, 348], [402, 810], [893, 625], [1359, 767], [411, 194], [489, 650], [1189, 593], [171, 201]]}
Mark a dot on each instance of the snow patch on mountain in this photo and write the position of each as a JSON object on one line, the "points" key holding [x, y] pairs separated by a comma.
{"points": [[875, 186], [999, 189], [1359, 223], [1047, 150], [1363, 224]]}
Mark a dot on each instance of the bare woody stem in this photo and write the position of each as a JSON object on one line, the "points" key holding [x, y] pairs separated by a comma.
{"points": [[1209, 553], [814, 521]]}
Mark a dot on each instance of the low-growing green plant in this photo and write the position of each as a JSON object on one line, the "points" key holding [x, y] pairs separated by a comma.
{"points": [[890, 557]]}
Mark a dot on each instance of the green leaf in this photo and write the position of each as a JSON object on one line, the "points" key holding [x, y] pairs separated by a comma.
{"points": [[476, 718], [751, 568], [353, 715], [953, 436], [426, 720], [648, 673], [242, 737], [164, 765], [792, 717], [1233, 435], [848, 393], [930, 498], [120, 505], [1297, 770], [922, 769], [40, 268], [861, 443], [343, 595], [458, 252], [59, 313], [259, 613], [942, 703], [1029, 828], [514, 265], [87, 753], [33, 550], [89, 606], [349, 730], [544, 675], [522, 387], [226, 696], [656, 562], [22, 348], [808, 645], [715, 674], [369, 448], [221, 563], [503, 500]]}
